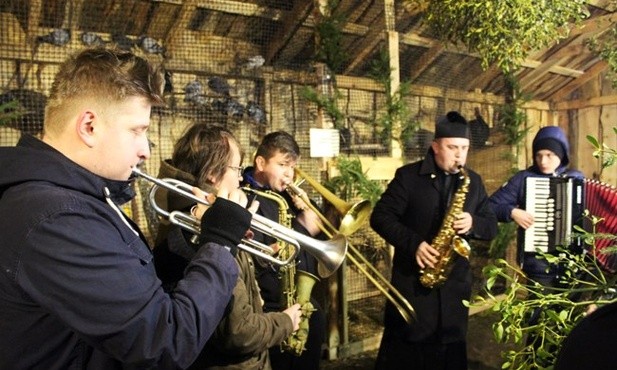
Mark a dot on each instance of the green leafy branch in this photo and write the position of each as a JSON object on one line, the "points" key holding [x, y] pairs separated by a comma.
{"points": [[396, 108], [326, 103], [10, 111], [607, 155], [582, 285], [352, 181], [606, 48], [503, 32], [329, 32]]}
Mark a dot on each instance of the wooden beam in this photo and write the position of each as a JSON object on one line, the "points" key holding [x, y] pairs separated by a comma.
{"points": [[548, 65], [34, 20], [374, 36], [591, 73], [414, 39], [425, 61], [298, 15], [174, 37], [593, 25], [483, 79], [586, 103], [244, 8]]}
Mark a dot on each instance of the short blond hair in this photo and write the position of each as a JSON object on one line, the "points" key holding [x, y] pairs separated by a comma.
{"points": [[103, 75]]}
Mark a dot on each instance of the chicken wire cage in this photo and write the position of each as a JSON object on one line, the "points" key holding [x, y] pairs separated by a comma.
{"points": [[245, 65]]}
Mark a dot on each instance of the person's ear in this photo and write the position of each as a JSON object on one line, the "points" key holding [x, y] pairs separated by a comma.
{"points": [[260, 163], [85, 127]]}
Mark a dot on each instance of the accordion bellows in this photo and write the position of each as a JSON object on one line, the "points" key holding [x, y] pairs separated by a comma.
{"points": [[601, 201]]}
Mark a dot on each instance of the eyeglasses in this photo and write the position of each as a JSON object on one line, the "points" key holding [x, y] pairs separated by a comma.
{"points": [[240, 169]]}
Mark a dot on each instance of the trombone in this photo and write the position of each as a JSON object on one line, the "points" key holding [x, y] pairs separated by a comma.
{"points": [[353, 216], [330, 254]]}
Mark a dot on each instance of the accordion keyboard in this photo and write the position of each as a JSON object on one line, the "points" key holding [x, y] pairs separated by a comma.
{"points": [[556, 204]]}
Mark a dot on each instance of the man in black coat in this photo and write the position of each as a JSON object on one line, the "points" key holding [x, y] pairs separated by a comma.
{"points": [[408, 216]]}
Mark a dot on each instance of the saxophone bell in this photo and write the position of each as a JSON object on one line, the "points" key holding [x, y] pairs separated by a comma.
{"points": [[461, 246]]}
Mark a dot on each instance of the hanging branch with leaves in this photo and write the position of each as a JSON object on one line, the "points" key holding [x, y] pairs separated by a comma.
{"points": [[329, 34], [606, 47], [502, 32], [396, 109], [352, 181], [601, 151]]}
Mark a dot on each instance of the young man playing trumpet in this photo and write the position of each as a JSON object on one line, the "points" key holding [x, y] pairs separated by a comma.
{"points": [[272, 171], [78, 287], [209, 157]]}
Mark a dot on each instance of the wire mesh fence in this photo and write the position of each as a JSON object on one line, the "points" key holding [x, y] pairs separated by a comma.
{"points": [[247, 66]]}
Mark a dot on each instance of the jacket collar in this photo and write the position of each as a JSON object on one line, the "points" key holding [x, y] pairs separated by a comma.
{"points": [[35, 160]]}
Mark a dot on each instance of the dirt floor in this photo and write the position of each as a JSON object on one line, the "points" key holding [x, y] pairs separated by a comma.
{"points": [[483, 352]]}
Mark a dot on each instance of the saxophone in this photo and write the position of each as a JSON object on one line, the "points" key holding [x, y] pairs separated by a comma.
{"points": [[296, 286], [447, 241]]}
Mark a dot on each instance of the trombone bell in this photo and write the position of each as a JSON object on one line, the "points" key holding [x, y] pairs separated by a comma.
{"points": [[355, 217]]}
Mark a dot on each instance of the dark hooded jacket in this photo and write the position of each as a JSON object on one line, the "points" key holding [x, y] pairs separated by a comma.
{"points": [[78, 289], [512, 194], [245, 333], [409, 212]]}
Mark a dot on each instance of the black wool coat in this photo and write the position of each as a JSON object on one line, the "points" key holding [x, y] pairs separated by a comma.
{"points": [[409, 212]]}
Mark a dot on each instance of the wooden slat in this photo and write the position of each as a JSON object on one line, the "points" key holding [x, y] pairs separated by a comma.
{"points": [[586, 103], [374, 36], [162, 20], [242, 8], [301, 10], [174, 37], [592, 72], [425, 61], [548, 65]]}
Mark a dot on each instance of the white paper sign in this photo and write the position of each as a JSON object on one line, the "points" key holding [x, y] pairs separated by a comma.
{"points": [[325, 142]]}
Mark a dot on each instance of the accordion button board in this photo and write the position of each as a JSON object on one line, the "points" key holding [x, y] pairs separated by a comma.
{"points": [[557, 204]]}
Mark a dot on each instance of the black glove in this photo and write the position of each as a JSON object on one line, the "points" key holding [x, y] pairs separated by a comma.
{"points": [[225, 223]]}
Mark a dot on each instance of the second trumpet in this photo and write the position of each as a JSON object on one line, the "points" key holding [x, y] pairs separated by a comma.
{"points": [[330, 253]]}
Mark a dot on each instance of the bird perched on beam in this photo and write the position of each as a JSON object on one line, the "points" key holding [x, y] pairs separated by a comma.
{"points": [[150, 45], [92, 39], [219, 85], [255, 113], [57, 37], [194, 94]]}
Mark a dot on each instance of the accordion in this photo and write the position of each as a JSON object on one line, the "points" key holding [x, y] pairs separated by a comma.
{"points": [[557, 205]]}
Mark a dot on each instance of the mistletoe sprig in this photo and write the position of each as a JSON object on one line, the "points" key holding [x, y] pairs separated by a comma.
{"points": [[555, 310], [603, 151], [503, 32]]}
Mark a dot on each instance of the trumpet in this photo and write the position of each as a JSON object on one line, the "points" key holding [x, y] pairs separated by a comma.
{"points": [[353, 216], [330, 254]]}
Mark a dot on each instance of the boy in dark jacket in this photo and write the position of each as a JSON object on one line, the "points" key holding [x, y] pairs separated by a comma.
{"points": [[273, 170], [78, 287], [551, 159]]}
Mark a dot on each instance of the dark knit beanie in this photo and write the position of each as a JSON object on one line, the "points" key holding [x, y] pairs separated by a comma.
{"points": [[549, 144], [451, 125]]}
